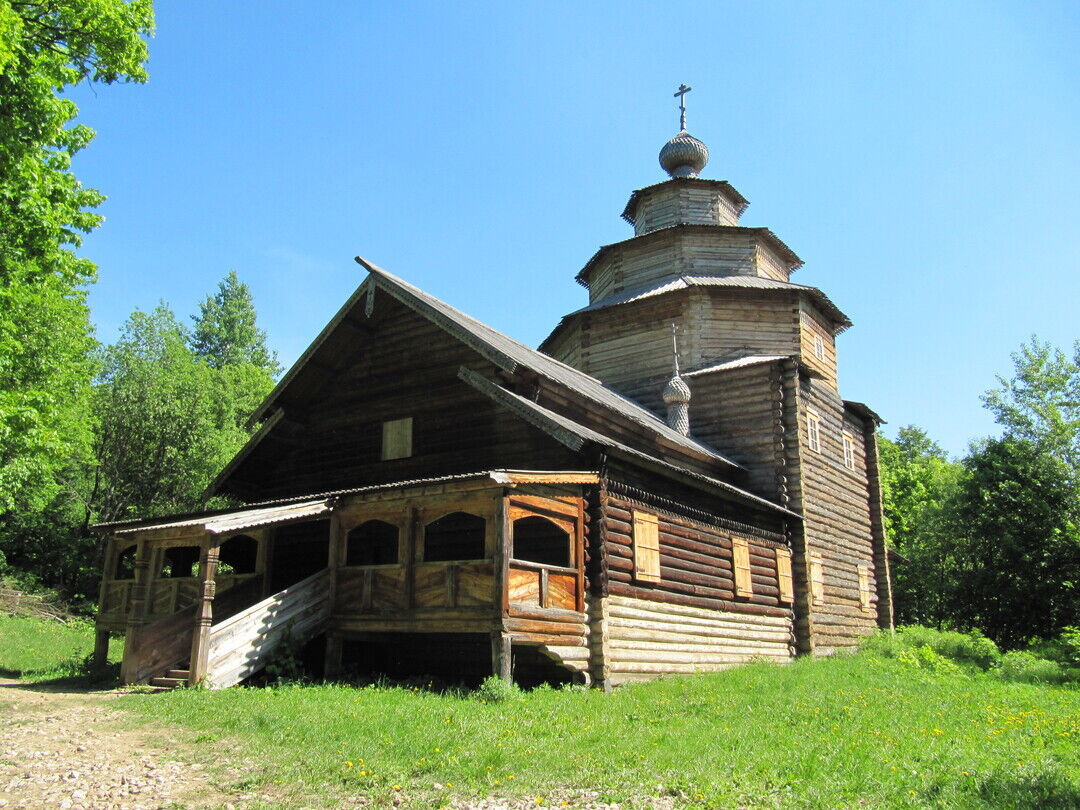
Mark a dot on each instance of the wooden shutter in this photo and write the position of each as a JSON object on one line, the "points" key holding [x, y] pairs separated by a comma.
{"points": [[397, 439], [646, 547], [864, 587], [817, 579], [741, 559], [783, 575]]}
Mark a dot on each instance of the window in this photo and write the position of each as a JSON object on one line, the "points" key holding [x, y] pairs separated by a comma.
{"points": [[819, 347], [125, 563], [849, 451], [457, 536], [740, 555], [783, 575], [179, 562], [864, 588], [817, 579], [646, 547], [373, 542], [397, 439], [539, 540], [813, 431]]}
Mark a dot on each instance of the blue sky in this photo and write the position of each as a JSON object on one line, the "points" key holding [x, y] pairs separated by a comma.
{"points": [[920, 157]]}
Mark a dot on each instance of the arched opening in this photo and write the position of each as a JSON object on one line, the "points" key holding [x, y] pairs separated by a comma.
{"points": [[373, 542], [179, 561], [238, 555], [457, 536], [539, 540], [125, 563]]}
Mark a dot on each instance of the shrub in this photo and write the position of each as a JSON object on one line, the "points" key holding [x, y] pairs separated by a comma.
{"points": [[924, 657], [1024, 667], [963, 648], [1065, 649], [495, 690]]}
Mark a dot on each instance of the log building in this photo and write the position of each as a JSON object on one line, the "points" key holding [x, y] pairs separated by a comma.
{"points": [[672, 483]]}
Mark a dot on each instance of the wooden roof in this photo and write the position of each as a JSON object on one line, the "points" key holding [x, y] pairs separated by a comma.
{"points": [[740, 202]]}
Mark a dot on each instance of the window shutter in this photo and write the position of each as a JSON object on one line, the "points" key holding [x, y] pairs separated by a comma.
{"points": [[783, 575], [397, 439], [864, 587], [817, 579], [741, 559], [646, 547]]}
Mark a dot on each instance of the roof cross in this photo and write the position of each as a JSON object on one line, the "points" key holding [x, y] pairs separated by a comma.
{"points": [[680, 94]]}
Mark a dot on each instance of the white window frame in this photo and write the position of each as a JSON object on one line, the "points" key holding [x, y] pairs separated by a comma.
{"points": [[849, 450], [819, 347], [813, 431]]}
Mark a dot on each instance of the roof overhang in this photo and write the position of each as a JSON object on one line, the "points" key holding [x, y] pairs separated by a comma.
{"points": [[738, 201]]}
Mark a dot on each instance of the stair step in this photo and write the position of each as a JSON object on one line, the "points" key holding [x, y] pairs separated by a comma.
{"points": [[178, 673], [170, 683]]}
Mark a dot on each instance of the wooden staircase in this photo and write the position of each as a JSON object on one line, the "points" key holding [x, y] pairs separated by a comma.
{"points": [[172, 679], [239, 644]]}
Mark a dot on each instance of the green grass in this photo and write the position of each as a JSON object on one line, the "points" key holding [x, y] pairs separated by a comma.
{"points": [[38, 650], [846, 732]]}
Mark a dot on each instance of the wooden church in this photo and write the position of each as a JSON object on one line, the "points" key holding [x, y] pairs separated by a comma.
{"points": [[672, 483]]}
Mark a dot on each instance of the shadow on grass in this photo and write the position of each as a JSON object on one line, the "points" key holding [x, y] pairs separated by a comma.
{"points": [[1047, 790], [101, 679]]}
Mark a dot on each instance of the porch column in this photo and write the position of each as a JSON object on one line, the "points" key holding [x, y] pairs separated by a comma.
{"points": [[108, 572], [332, 658], [501, 648], [204, 615], [136, 614]]}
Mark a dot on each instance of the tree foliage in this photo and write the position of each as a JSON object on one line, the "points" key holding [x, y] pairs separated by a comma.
{"points": [[45, 335], [1041, 402], [225, 331], [1015, 543], [918, 481]]}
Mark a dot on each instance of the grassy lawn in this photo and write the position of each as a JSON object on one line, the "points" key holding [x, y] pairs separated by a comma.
{"points": [[38, 650], [847, 732], [853, 731]]}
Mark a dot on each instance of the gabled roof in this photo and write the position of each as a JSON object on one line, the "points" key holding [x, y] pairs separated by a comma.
{"points": [[508, 354], [859, 409], [502, 351], [771, 239], [574, 435]]}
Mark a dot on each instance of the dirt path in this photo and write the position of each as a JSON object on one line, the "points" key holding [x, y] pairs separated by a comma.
{"points": [[70, 750]]}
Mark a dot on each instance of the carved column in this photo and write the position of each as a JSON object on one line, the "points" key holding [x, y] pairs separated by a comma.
{"points": [[136, 617], [204, 614], [108, 573]]}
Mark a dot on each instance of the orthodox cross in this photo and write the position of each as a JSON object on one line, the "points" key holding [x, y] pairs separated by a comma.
{"points": [[680, 94]]}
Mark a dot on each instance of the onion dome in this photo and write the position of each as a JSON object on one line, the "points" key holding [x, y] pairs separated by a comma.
{"points": [[676, 392], [684, 155]]}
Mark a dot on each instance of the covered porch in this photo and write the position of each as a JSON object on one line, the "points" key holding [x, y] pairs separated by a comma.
{"points": [[380, 570]]}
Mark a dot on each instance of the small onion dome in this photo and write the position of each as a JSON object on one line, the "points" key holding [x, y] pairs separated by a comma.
{"points": [[684, 155], [676, 392]]}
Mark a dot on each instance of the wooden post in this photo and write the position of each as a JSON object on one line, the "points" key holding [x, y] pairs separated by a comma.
{"points": [[136, 615], [501, 655], [101, 648], [204, 614], [108, 572], [332, 660], [332, 656]]}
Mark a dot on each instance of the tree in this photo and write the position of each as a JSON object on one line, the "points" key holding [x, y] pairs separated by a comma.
{"points": [[45, 336], [1015, 537], [226, 333], [161, 435], [918, 481], [1041, 403]]}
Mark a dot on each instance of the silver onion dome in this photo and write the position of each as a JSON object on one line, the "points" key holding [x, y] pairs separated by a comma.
{"points": [[684, 155]]}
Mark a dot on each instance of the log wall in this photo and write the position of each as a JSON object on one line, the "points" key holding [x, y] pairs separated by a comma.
{"points": [[642, 638], [837, 522], [812, 324], [677, 204], [669, 253]]}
